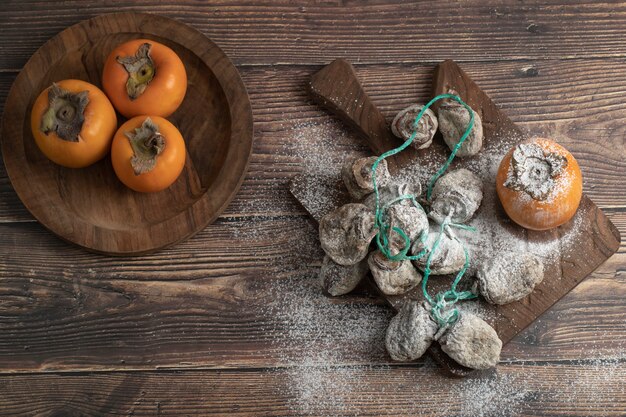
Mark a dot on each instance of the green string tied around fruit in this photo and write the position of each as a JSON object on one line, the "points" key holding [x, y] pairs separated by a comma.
{"points": [[442, 310]]}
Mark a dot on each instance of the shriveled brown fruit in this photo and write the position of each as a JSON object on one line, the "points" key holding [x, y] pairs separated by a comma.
{"points": [[410, 219], [453, 120], [341, 279], [357, 176], [410, 332], [509, 276], [448, 257], [403, 126], [472, 342], [393, 277], [457, 194], [392, 191], [346, 233]]}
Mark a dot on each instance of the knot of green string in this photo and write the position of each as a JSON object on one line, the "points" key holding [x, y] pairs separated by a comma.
{"points": [[442, 305]]}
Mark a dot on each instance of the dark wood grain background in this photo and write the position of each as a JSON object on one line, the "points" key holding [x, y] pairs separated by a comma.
{"points": [[184, 331]]}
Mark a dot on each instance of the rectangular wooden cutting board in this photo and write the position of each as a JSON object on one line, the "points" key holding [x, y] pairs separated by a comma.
{"points": [[591, 237]]}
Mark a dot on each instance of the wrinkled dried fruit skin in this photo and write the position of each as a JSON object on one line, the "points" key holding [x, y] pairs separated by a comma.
{"points": [[472, 342], [410, 332], [459, 192], [340, 279], [453, 120], [391, 191], [410, 219], [403, 126], [393, 277], [509, 277], [357, 176], [346, 233], [449, 256]]}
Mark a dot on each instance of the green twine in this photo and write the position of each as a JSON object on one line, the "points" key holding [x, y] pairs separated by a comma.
{"points": [[450, 297], [443, 299], [446, 165]]}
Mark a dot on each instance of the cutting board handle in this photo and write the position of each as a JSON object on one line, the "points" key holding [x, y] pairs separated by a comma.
{"points": [[337, 88]]}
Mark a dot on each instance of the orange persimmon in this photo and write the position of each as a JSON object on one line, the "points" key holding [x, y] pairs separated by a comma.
{"points": [[539, 184], [144, 77], [73, 123], [148, 153]]}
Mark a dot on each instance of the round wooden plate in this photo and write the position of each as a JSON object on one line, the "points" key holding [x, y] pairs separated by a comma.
{"points": [[90, 206]]}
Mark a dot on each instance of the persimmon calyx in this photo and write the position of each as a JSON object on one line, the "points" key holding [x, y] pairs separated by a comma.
{"points": [[534, 170], [65, 114], [147, 144], [141, 70]]}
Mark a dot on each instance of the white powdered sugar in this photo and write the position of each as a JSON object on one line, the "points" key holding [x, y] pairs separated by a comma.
{"points": [[323, 337], [495, 232], [324, 345], [322, 148], [498, 394]]}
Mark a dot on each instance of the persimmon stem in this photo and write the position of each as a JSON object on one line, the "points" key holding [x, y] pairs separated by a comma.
{"points": [[65, 114], [141, 70], [147, 144], [534, 170]]}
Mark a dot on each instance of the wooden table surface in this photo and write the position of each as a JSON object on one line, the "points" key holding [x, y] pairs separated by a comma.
{"points": [[231, 322]]}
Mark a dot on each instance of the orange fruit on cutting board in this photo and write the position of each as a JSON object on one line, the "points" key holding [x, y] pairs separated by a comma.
{"points": [[539, 184]]}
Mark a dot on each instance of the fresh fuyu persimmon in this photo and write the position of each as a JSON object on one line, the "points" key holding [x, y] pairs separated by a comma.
{"points": [[144, 77], [73, 123], [148, 153], [539, 184]]}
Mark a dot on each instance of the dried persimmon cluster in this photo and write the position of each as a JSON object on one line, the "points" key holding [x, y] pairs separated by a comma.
{"points": [[387, 232]]}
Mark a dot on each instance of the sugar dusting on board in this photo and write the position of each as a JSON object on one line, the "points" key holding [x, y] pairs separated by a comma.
{"points": [[321, 150], [495, 233], [319, 337]]}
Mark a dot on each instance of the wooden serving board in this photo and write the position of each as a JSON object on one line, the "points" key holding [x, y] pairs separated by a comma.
{"points": [[91, 207], [592, 237]]}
